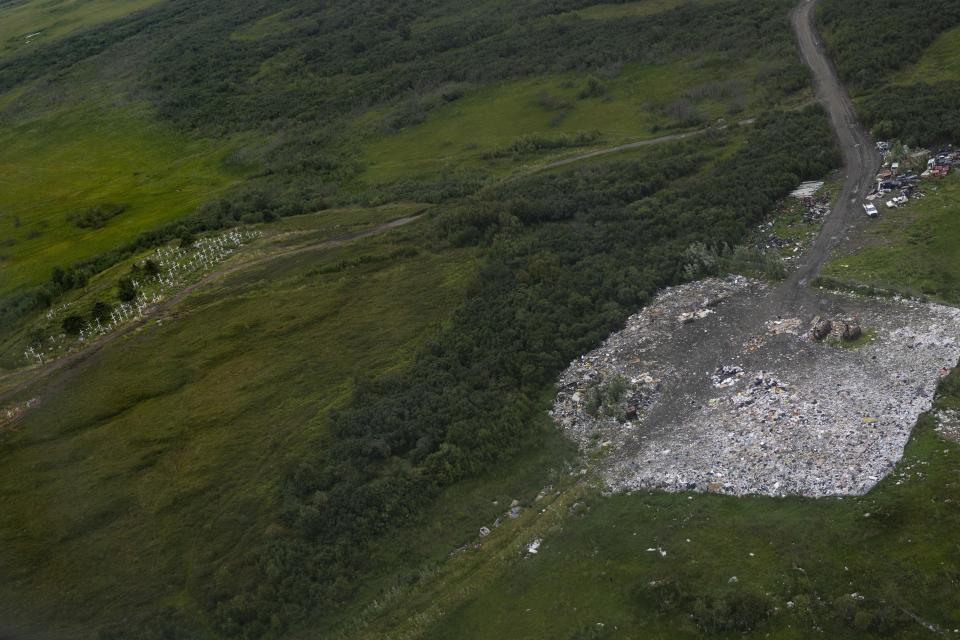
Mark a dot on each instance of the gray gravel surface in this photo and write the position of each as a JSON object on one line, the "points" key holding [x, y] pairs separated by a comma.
{"points": [[772, 411]]}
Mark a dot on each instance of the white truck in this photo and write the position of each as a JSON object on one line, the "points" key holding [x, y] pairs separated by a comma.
{"points": [[870, 209]]}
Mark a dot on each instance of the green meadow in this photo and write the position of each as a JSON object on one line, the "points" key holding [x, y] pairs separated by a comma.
{"points": [[632, 105], [272, 24], [939, 63], [68, 161], [631, 9]]}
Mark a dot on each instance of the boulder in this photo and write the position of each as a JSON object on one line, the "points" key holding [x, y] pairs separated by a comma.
{"points": [[852, 331]]}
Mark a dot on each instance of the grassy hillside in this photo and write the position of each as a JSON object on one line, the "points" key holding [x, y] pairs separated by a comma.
{"points": [[228, 485], [321, 103], [307, 447], [939, 62], [153, 463], [613, 11], [501, 127]]}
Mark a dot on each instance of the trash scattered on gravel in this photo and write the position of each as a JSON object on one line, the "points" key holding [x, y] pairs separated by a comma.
{"points": [[807, 189], [733, 402]]}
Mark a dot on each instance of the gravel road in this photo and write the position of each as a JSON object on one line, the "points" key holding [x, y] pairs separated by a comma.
{"points": [[860, 158]]}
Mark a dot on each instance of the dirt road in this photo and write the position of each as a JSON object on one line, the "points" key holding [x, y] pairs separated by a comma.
{"points": [[860, 160]]}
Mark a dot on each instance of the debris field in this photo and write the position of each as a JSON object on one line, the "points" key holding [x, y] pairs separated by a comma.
{"points": [[701, 392]]}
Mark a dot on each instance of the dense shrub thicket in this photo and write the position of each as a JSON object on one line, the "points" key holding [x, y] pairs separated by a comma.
{"points": [[869, 40], [919, 114], [211, 67], [571, 255]]}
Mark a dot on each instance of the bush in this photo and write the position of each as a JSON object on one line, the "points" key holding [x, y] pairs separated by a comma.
{"points": [[740, 611], [101, 311], [126, 291], [593, 89], [96, 217], [73, 325]]}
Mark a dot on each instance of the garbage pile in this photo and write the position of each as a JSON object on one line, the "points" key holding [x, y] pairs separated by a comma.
{"points": [[813, 207], [624, 356], [783, 414]]}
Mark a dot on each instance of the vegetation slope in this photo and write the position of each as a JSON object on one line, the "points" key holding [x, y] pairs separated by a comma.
{"points": [[296, 449]]}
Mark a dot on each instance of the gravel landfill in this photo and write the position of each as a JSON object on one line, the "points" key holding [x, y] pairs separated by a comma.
{"points": [[775, 412]]}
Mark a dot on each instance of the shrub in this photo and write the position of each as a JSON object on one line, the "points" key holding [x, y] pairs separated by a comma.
{"points": [[96, 217], [126, 291], [740, 611], [101, 311], [73, 325]]}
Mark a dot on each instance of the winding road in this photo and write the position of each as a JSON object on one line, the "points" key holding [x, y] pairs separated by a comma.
{"points": [[860, 160]]}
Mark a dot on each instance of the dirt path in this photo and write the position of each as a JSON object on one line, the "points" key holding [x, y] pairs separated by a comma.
{"points": [[586, 155], [618, 149], [860, 160], [46, 370]]}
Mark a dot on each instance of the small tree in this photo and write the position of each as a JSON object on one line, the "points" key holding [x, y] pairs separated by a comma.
{"points": [[36, 338], [73, 324], [186, 237], [125, 290], [101, 311], [151, 268]]}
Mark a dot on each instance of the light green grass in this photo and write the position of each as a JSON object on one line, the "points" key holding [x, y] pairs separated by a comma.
{"points": [[55, 19], [912, 250], [633, 9], [68, 161], [461, 133], [158, 460], [271, 25], [865, 338], [940, 62]]}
